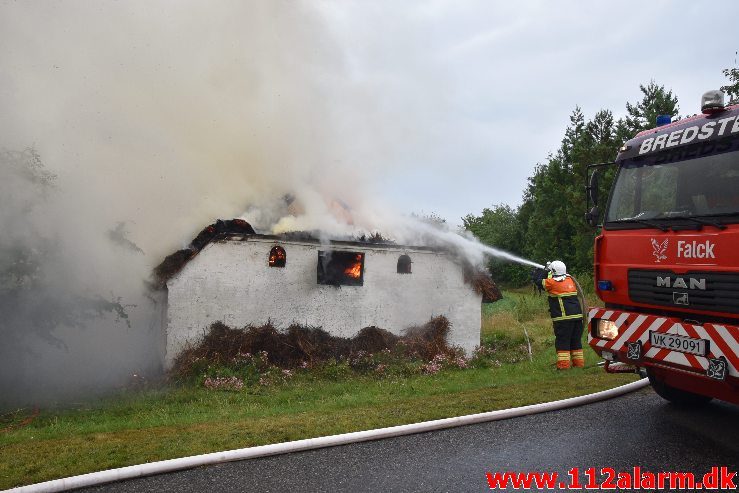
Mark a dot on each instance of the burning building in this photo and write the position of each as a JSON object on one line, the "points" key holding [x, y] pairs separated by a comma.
{"points": [[234, 275]]}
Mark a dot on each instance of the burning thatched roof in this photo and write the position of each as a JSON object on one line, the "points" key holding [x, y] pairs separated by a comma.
{"points": [[483, 284], [478, 279], [375, 238], [173, 263]]}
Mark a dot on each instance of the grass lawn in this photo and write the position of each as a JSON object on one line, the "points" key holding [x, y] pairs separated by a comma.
{"points": [[142, 426]]}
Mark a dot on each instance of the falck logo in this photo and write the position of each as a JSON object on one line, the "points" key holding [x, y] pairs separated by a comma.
{"points": [[660, 249]]}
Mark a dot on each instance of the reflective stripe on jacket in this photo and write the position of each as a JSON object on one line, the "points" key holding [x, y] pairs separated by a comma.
{"points": [[563, 301]]}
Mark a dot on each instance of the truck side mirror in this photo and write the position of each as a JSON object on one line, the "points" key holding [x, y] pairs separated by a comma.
{"points": [[592, 191], [593, 187], [592, 216]]}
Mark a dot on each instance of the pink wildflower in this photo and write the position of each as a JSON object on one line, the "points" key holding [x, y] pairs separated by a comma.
{"points": [[223, 383]]}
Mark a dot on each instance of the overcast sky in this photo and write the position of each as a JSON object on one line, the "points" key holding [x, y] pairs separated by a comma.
{"points": [[505, 76], [445, 106]]}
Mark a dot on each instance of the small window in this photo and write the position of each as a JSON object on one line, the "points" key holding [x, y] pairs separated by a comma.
{"points": [[277, 257], [404, 264], [338, 268]]}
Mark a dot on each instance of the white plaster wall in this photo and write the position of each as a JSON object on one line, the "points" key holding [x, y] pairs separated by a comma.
{"points": [[231, 281]]}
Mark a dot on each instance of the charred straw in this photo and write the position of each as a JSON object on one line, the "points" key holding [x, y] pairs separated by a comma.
{"points": [[296, 345], [173, 263]]}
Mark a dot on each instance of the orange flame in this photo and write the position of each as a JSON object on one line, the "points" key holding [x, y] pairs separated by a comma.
{"points": [[354, 270], [277, 257]]}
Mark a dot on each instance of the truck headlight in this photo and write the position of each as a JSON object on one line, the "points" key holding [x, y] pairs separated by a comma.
{"points": [[605, 329]]}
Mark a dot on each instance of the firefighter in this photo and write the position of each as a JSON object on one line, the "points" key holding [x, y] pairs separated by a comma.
{"points": [[566, 313]]}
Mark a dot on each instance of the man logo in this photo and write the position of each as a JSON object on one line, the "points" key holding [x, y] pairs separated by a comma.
{"points": [[680, 283], [660, 249], [680, 298]]}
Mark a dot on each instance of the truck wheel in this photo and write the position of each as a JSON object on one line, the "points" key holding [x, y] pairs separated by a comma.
{"points": [[675, 396]]}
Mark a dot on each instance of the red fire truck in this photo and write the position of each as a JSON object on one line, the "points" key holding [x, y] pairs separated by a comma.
{"points": [[667, 257]]}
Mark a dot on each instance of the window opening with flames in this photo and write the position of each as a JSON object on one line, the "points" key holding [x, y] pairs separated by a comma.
{"points": [[339, 268], [277, 257]]}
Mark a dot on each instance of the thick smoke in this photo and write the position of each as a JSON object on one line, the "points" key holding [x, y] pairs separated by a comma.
{"points": [[128, 126], [155, 119], [310, 211], [75, 317]]}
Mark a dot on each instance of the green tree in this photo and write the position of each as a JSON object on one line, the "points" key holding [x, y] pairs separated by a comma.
{"points": [[499, 226], [554, 200], [33, 297], [549, 224], [656, 100], [573, 136], [732, 89]]}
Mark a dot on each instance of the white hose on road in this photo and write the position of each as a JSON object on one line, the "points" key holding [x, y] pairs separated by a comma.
{"points": [[171, 465]]}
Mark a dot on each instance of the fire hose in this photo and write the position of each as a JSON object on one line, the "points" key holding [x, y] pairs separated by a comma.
{"points": [[172, 465], [581, 298]]}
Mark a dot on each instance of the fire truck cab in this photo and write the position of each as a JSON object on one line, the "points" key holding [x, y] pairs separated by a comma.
{"points": [[666, 259]]}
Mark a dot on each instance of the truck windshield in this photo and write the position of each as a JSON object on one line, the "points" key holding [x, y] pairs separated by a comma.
{"points": [[703, 186]]}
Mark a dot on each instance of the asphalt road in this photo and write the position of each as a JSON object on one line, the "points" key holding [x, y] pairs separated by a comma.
{"points": [[639, 429]]}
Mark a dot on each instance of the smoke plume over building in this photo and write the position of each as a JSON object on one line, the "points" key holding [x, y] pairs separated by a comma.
{"points": [[127, 126]]}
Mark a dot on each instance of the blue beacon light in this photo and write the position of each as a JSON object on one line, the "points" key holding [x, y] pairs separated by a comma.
{"points": [[663, 120]]}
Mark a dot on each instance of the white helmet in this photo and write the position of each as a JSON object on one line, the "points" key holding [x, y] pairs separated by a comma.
{"points": [[558, 268]]}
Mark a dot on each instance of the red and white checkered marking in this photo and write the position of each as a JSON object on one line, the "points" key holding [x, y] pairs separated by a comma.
{"points": [[724, 339]]}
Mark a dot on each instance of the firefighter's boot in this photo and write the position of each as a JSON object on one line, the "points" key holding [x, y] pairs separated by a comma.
{"points": [[578, 360], [563, 360]]}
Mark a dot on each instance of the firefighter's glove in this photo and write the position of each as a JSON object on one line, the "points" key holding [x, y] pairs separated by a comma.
{"points": [[537, 276]]}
